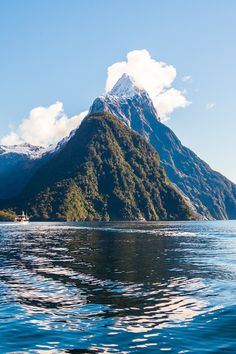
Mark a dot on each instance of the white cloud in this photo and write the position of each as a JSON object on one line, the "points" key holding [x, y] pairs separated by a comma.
{"points": [[168, 101], [155, 77], [44, 126], [186, 78], [11, 139], [48, 125], [210, 105]]}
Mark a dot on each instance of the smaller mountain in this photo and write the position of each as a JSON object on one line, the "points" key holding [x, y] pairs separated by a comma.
{"points": [[17, 165], [31, 151], [106, 171]]}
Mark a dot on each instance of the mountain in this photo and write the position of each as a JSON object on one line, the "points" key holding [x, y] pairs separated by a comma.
{"points": [[105, 171], [17, 164], [212, 195]]}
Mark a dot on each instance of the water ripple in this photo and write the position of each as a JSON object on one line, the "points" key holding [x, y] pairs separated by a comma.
{"points": [[118, 287]]}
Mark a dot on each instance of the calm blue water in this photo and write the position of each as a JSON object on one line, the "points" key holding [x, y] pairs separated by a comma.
{"points": [[118, 288]]}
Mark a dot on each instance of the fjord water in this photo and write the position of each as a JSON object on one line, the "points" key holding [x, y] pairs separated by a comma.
{"points": [[118, 287]]}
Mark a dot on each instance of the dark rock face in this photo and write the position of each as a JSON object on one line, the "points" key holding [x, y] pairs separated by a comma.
{"points": [[106, 171], [212, 195]]}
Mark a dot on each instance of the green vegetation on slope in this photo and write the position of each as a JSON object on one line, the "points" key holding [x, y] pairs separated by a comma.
{"points": [[105, 172], [7, 215]]}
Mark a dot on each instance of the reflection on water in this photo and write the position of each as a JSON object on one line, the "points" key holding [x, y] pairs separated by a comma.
{"points": [[118, 287]]}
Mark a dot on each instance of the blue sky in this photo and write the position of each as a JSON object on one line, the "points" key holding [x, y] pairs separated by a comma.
{"points": [[60, 51]]}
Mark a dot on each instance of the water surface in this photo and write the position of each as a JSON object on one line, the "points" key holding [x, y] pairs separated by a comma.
{"points": [[118, 287]]}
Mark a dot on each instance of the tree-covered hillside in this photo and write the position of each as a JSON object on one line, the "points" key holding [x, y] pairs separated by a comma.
{"points": [[105, 172]]}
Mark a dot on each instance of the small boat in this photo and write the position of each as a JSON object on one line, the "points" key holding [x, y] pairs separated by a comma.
{"points": [[22, 219]]}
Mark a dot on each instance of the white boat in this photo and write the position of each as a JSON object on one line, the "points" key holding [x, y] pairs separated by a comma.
{"points": [[22, 219]]}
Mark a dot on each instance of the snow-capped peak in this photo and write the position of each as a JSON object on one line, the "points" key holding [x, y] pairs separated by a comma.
{"points": [[23, 149], [125, 87]]}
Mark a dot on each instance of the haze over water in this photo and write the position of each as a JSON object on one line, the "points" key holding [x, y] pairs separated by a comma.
{"points": [[118, 287]]}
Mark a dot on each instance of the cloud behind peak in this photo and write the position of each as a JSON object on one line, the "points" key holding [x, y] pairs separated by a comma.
{"points": [[156, 77]]}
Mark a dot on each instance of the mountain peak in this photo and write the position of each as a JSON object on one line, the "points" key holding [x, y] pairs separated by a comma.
{"points": [[129, 102], [125, 86]]}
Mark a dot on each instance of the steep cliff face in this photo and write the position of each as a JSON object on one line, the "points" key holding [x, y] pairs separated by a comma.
{"points": [[105, 172], [212, 195]]}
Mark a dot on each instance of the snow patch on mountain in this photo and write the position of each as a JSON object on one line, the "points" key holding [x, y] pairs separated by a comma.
{"points": [[125, 87], [31, 151], [130, 103]]}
